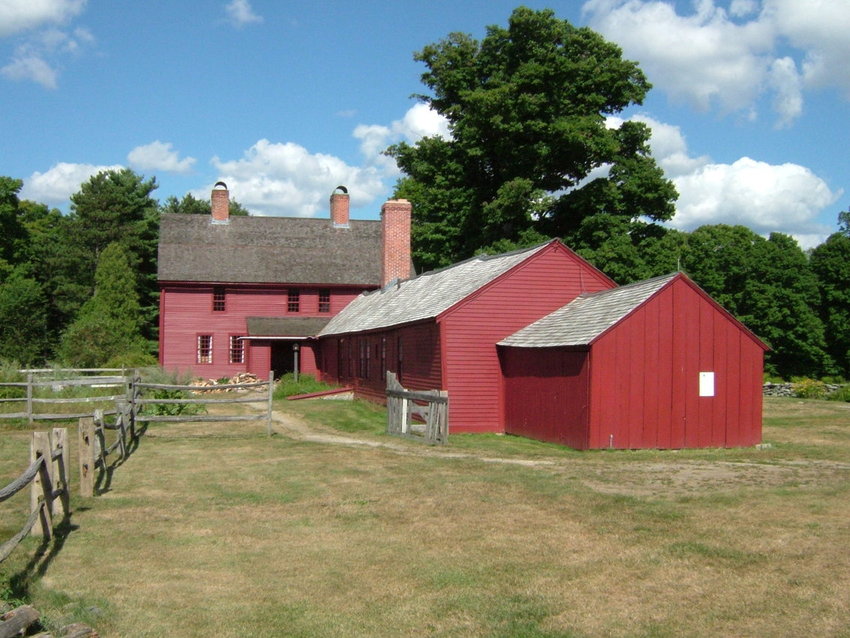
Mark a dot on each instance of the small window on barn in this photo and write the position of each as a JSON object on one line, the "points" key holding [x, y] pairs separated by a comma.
{"points": [[219, 299], [237, 349], [383, 357], [205, 349], [293, 303], [324, 300]]}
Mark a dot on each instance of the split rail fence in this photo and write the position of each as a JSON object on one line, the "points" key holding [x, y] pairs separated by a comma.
{"points": [[48, 472], [40, 389], [430, 406]]}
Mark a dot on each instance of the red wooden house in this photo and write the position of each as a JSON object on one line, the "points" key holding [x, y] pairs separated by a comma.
{"points": [[247, 293], [656, 364]]}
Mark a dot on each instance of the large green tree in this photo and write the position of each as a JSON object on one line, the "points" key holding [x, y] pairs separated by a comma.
{"points": [[109, 323], [528, 111], [831, 264]]}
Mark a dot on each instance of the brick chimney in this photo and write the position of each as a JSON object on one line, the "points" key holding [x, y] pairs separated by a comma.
{"points": [[339, 207], [395, 232], [220, 204]]}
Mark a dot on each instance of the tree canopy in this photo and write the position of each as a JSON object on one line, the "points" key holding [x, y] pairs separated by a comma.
{"points": [[532, 152]]}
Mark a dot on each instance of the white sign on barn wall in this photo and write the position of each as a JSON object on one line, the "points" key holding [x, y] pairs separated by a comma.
{"points": [[706, 384]]}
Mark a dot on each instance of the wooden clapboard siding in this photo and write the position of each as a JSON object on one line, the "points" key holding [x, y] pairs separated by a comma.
{"points": [[186, 312], [469, 331]]}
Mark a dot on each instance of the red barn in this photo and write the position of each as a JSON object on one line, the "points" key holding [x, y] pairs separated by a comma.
{"points": [[656, 364], [248, 293], [440, 329]]}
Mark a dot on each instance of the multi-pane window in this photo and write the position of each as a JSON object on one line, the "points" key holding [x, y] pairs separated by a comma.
{"points": [[293, 303], [324, 300], [237, 349], [219, 303], [383, 357], [205, 348]]}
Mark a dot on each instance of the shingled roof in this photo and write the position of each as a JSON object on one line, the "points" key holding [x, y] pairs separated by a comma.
{"points": [[587, 316], [285, 326], [425, 296], [255, 249]]}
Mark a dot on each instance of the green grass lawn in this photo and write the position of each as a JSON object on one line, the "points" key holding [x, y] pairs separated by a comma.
{"points": [[221, 530]]}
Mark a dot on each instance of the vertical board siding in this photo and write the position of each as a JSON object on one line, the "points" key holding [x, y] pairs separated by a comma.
{"points": [[662, 347], [186, 311], [546, 394], [420, 366], [543, 283]]}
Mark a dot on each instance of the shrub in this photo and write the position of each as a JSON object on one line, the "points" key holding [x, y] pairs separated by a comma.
{"points": [[841, 394], [806, 388], [287, 386], [165, 377]]}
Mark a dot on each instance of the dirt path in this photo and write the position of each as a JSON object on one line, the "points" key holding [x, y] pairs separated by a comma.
{"points": [[650, 478]]}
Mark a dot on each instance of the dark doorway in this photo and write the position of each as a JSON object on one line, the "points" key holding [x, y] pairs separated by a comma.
{"points": [[283, 358]]}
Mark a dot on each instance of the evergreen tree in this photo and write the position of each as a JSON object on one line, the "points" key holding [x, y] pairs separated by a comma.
{"points": [[109, 323]]}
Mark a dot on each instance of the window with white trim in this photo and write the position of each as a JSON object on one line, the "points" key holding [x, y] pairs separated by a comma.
{"points": [[237, 349], [205, 343]]}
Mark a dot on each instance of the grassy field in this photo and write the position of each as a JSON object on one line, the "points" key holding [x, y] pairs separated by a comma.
{"points": [[216, 529]]}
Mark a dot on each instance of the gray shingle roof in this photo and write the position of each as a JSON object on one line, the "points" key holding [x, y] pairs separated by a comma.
{"points": [[425, 296], [269, 250], [285, 326], [586, 317]]}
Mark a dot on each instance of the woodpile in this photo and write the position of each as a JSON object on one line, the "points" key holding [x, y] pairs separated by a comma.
{"points": [[210, 385]]}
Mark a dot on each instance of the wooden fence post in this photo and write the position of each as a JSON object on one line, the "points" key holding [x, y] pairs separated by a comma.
{"points": [[62, 472], [121, 422], [271, 400], [86, 453], [29, 398], [41, 488]]}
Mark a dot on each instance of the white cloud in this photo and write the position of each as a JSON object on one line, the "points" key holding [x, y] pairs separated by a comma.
{"points": [[787, 84], [419, 121], [240, 13], [286, 179], [56, 185], [30, 66], [766, 197], [819, 28], [712, 58], [159, 156], [36, 58], [22, 15]]}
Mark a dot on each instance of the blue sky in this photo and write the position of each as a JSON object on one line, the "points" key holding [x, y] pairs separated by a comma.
{"points": [[286, 100]]}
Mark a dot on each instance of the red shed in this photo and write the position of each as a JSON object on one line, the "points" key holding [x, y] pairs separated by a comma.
{"points": [[440, 329], [655, 364]]}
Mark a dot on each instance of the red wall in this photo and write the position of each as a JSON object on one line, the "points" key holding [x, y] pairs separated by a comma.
{"points": [[543, 283], [186, 311], [644, 377], [546, 391]]}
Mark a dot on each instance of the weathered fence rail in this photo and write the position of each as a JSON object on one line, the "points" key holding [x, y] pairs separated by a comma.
{"points": [[194, 394], [403, 406], [36, 385], [47, 476]]}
